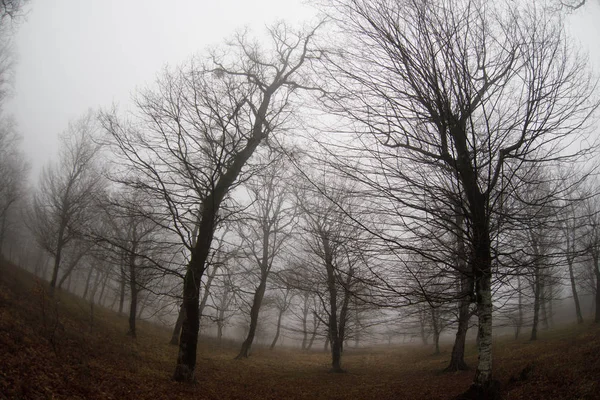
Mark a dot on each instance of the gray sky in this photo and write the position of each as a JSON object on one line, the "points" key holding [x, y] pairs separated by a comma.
{"points": [[79, 54], [73, 55]]}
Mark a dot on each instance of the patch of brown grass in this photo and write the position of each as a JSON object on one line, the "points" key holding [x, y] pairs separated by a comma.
{"points": [[40, 358]]}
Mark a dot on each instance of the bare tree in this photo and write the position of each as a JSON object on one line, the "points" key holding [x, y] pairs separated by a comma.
{"points": [[66, 192], [468, 87], [591, 243], [333, 249], [281, 301], [200, 128], [264, 232], [13, 173]]}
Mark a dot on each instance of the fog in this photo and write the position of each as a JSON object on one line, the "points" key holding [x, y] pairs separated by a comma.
{"points": [[300, 186]]}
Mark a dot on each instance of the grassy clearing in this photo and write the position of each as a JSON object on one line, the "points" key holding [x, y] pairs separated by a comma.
{"points": [[51, 351]]}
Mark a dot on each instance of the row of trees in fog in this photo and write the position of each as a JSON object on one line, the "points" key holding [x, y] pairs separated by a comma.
{"points": [[406, 168]]}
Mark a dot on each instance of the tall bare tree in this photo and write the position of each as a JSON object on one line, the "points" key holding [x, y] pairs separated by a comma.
{"points": [[195, 135], [469, 89]]}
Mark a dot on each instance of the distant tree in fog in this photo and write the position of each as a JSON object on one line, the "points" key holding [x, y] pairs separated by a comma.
{"points": [[13, 174], [62, 203], [264, 230]]}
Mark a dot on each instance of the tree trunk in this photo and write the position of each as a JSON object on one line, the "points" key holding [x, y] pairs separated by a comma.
{"points": [[305, 310], [258, 297], [436, 331], [69, 281], [279, 317], [188, 343], [122, 291], [133, 288], [314, 331], [424, 336], [520, 310], [597, 273], [59, 248], [133, 311], [536, 304], [101, 296], [220, 331], [333, 329], [344, 310], [177, 328], [87, 282], [543, 302], [574, 287], [465, 281], [211, 276], [483, 384]]}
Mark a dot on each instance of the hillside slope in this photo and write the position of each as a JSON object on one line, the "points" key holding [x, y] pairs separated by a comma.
{"points": [[54, 349]]}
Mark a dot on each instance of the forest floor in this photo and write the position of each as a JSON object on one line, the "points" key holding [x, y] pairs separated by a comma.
{"points": [[51, 349]]}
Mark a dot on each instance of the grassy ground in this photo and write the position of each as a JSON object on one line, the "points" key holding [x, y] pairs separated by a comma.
{"points": [[50, 350]]}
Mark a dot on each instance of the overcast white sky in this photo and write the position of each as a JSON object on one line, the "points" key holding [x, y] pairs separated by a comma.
{"points": [[73, 55], [79, 54]]}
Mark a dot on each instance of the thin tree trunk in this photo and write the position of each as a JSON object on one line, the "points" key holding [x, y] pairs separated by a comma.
{"points": [[102, 290], [305, 310], [87, 282], [260, 292], [57, 258], [436, 331], [177, 328], [209, 281], [597, 273], [520, 309], [574, 291], [424, 336], [220, 331], [133, 285], [279, 317], [543, 302], [333, 332], [258, 297], [536, 304], [316, 325], [144, 305], [122, 291]]}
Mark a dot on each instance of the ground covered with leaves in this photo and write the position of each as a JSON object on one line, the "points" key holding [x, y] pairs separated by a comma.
{"points": [[53, 348]]}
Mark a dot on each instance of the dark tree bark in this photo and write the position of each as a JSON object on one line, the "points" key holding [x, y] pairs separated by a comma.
{"points": [[290, 59], [596, 261], [333, 329], [256, 303]]}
